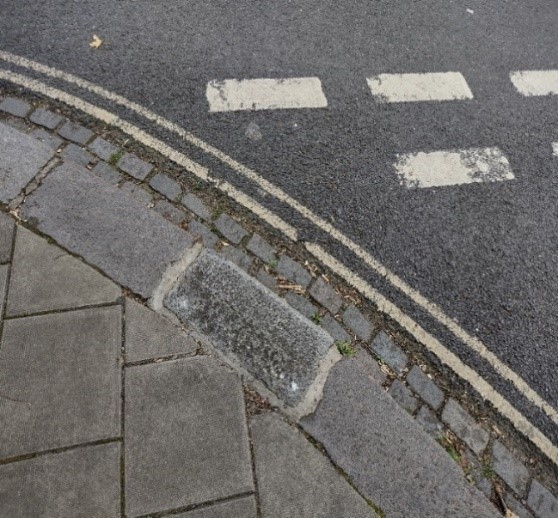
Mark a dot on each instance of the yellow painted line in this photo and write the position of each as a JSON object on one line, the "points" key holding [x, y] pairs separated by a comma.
{"points": [[153, 143], [433, 344], [435, 311]]}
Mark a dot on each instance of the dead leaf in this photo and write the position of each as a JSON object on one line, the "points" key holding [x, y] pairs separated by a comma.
{"points": [[95, 42]]}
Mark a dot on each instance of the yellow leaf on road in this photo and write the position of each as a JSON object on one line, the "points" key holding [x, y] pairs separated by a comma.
{"points": [[96, 42]]}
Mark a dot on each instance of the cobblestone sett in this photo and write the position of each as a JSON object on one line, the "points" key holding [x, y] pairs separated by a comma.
{"points": [[293, 271], [511, 470], [403, 396], [390, 353], [302, 305], [75, 132], [198, 229], [102, 148], [194, 204], [543, 503], [335, 329], [464, 426], [166, 186], [230, 229], [325, 295], [425, 387], [45, 118], [358, 323], [15, 107], [261, 248], [134, 166], [429, 422]]}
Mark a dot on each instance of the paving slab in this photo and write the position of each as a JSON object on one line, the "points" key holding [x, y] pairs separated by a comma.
{"points": [[186, 440], [45, 278], [295, 479], [389, 458], [101, 223], [21, 158], [250, 324], [80, 483], [7, 226], [148, 335], [60, 380], [240, 508]]}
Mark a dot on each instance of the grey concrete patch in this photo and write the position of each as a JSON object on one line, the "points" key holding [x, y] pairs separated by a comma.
{"points": [[194, 204], [60, 378], [429, 422], [512, 472], [45, 118], [295, 479], [425, 387], [237, 256], [334, 329], [134, 166], [302, 305], [166, 186], [390, 353], [75, 132], [7, 226], [21, 158], [102, 148], [78, 483], [240, 508], [49, 139], [148, 335], [251, 325], [170, 212], [293, 271], [465, 427], [389, 458], [76, 154], [403, 396], [45, 278], [107, 173], [230, 229], [15, 107], [198, 229], [99, 222], [543, 503], [261, 248], [325, 295], [358, 323], [186, 440]]}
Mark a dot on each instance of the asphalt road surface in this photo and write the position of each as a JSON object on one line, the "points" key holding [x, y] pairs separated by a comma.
{"points": [[485, 250]]}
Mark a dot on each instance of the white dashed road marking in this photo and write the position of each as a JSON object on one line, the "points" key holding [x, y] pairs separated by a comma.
{"points": [[441, 168], [555, 148], [399, 88], [265, 94], [536, 82]]}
